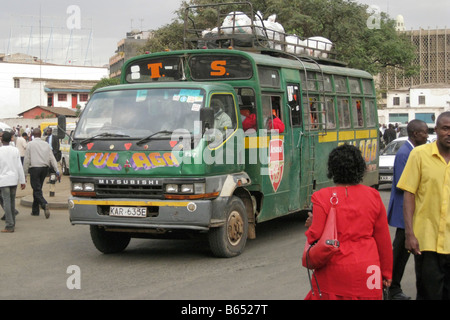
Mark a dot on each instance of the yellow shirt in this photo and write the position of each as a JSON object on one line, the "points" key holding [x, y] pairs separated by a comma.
{"points": [[427, 176]]}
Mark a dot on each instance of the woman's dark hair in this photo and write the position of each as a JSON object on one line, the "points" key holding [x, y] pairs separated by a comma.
{"points": [[346, 165]]}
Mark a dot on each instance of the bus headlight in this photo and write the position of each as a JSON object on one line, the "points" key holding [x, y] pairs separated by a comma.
{"points": [[83, 189], [187, 188], [171, 188], [186, 191]]}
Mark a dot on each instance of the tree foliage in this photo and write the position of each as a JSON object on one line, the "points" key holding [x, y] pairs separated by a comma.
{"points": [[105, 82], [344, 22]]}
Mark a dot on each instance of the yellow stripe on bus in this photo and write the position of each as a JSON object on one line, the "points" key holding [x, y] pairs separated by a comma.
{"points": [[131, 203], [329, 137], [348, 135], [259, 142]]}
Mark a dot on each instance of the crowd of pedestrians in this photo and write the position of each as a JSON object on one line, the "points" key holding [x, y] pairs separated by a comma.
{"points": [[419, 208], [23, 153]]}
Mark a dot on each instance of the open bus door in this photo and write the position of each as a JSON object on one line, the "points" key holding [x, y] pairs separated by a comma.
{"points": [[296, 136]]}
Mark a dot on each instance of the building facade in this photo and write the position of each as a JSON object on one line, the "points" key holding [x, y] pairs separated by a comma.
{"points": [[425, 95], [423, 102], [127, 48], [24, 85]]}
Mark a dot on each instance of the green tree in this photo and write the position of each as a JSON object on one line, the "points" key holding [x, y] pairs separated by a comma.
{"points": [[344, 22], [105, 82]]}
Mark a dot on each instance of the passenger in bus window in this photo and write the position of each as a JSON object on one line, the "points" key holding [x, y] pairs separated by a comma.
{"points": [[248, 119], [275, 123], [222, 121]]}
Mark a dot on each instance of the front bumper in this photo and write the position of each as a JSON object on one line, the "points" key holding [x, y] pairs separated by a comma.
{"points": [[163, 214], [385, 175]]}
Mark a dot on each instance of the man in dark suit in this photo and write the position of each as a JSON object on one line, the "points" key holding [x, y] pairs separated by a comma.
{"points": [[54, 144], [389, 134], [417, 135]]}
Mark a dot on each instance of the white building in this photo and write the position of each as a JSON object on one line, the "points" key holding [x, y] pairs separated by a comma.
{"points": [[424, 102], [24, 85]]}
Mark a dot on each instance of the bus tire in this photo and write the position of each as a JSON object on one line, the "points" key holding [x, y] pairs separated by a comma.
{"points": [[109, 242], [229, 240]]}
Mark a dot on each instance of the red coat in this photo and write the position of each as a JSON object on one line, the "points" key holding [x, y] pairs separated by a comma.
{"points": [[249, 122], [365, 256], [276, 124]]}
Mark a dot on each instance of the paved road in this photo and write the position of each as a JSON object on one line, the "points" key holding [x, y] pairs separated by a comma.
{"points": [[37, 258]]}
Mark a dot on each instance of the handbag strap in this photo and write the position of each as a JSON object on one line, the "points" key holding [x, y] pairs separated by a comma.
{"points": [[334, 200]]}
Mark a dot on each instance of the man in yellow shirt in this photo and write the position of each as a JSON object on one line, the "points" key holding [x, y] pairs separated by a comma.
{"points": [[426, 210]]}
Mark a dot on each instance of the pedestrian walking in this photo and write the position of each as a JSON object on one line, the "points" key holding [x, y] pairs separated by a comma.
{"points": [[11, 174], [54, 144], [426, 182], [363, 265], [21, 144], [417, 135], [38, 159]]}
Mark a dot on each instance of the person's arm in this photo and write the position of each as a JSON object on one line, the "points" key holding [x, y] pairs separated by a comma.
{"points": [[383, 239], [409, 205]]}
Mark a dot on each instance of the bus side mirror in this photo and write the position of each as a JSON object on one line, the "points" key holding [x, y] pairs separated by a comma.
{"points": [[207, 119], [61, 127]]}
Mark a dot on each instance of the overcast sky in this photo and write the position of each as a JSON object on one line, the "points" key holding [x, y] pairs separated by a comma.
{"points": [[104, 22]]}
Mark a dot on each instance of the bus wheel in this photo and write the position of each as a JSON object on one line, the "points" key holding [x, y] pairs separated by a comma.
{"points": [[229, 240], [109, 242]]}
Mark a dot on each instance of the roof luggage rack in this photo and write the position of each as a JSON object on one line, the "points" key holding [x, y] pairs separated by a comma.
{"points": [[235, 27]]}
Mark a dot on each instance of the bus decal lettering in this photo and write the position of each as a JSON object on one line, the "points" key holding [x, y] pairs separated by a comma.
{"points": [[218, 68], [111, 163], [140, 161], [100, 160], [154, 70]]}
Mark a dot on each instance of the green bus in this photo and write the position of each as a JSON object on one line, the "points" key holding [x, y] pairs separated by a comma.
{"points": [[167, 152]]}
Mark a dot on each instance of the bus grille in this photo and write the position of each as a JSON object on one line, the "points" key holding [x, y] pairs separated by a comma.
{"points": [[129, 191]]}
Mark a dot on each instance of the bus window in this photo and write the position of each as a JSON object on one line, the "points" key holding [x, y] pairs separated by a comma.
{"points": [[272, 113], [269, 77], [246, 97], [293, 95], [367, 87], [357, 113], [310, 85], [343, 113], [326, 85], [224, 114], [220, 67], [331, 115], [311, 109], [370, 112], [354, 86], [340, 84], [155, 69]]}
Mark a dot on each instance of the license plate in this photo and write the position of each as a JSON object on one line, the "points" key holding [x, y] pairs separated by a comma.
{"points": [[386, 178], [137, 212]]}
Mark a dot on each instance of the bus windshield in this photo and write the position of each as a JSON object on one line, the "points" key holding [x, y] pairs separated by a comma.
{"points": [[139, 113]]}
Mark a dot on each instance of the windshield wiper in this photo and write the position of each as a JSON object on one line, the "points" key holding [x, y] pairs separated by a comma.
{"points": [[104, 134], [152, 135]]}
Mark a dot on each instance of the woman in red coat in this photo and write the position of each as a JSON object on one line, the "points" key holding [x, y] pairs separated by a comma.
{"points": [[363, 265]]}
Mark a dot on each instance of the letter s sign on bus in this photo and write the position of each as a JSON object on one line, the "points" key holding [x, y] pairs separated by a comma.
{"points": [[218, 68]]}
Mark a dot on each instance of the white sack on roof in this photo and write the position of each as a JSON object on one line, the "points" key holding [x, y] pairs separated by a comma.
{"points": [[236, 23], [298, 45], [269, 28], [318, 45]]}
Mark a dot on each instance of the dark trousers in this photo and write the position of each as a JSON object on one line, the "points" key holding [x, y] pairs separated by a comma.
{"points": [[432, 276], [37, 178], [401, 256]]}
